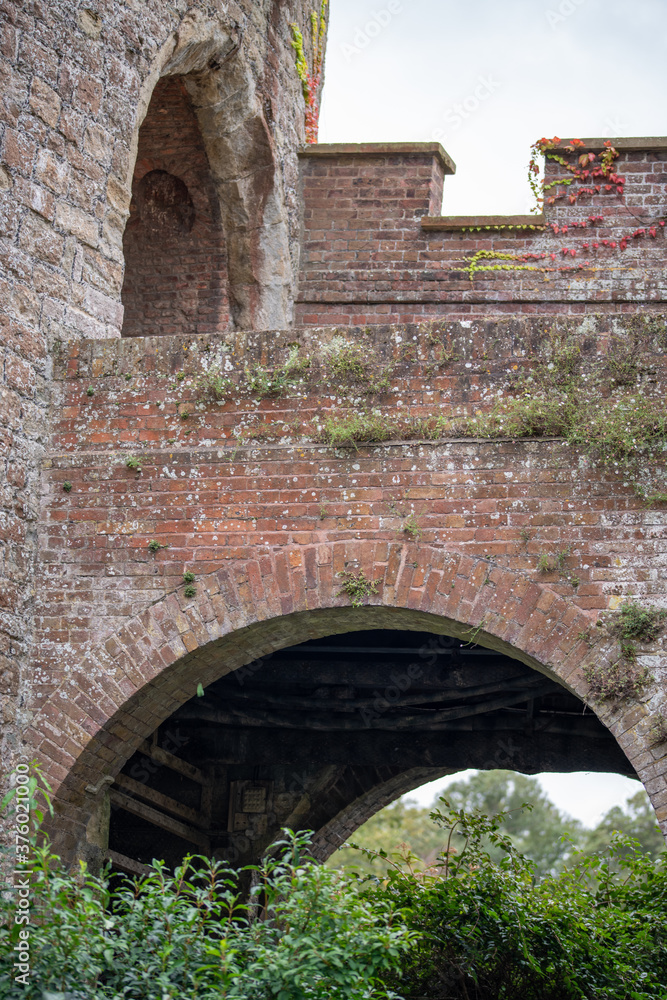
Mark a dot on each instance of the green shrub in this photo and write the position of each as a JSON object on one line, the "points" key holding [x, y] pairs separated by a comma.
{"points": [[305, 932], [489, 930], [471, 926]]}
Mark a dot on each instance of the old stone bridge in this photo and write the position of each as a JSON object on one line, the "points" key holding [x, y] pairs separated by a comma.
{"points": [[311, 494]]}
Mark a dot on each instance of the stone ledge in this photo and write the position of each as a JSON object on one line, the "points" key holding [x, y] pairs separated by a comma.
{"points": [[630, 144], [457, 222], [381, 149]]}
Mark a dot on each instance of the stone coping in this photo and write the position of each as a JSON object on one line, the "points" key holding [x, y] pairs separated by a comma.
{"points": [[454, 222], [381, 149], [626, 144]]}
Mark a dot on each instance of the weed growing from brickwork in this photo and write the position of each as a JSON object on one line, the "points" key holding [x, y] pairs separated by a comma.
{"points": [[544, 563], [631, 623], [354, 428], [264, 382], [374, 427], [656, 498], [640, 622], [339, 366], [594, 407], [658, 731], [131, 462], [350, 366], [215, 382], [622, 680], [67, 486], [357, 587], [412, 528]]}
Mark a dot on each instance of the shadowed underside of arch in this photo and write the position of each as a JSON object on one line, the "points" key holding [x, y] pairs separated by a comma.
{"points": [[122, 691]]}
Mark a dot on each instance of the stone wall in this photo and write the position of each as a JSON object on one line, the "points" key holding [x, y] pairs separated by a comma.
{"points": [[76, 80]]}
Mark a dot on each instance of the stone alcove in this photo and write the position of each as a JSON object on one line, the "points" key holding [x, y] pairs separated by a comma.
{"points": [[174, 242]]}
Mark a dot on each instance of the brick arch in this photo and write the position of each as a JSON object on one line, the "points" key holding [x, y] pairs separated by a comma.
{"points": [[208, 56], [124, 689]]}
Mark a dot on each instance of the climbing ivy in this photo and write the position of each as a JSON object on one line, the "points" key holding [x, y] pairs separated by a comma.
{"points": [[311, 79], [594, 174]]}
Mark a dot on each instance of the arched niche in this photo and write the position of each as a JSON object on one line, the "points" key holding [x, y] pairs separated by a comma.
{"points": [[174, 243], [201, 119]]}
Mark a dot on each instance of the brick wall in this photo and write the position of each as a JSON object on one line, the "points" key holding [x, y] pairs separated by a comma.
{"points": [[240, 481], [374, 253], [174, 244]]}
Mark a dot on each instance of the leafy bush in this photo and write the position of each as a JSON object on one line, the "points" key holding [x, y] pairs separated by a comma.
{"points": [[470, 927], [489, 930], [548, 837], [303, 933]]}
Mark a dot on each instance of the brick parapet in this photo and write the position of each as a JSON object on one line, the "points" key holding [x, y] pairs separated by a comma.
{"points": [[366, 262]]}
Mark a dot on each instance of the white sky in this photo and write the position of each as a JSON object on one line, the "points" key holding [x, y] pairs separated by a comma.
{"points": [[397, 70], [582, 794]]}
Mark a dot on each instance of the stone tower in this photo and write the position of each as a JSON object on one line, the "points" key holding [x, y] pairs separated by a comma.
{"points": [[202, 203]]}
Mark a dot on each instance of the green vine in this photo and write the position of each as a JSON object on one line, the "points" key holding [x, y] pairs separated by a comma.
{"points": [[474, 266], [595, 174]]}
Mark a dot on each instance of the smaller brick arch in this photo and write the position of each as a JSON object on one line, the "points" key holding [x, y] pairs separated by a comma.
{"points": [[123, 690], [338, 830]]}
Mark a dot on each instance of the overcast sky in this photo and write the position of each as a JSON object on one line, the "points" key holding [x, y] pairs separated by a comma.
{"points": [[487, 79]]}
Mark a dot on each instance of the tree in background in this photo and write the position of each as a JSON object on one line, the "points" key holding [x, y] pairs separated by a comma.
{"points": [[542, 833], [636, 820]]}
